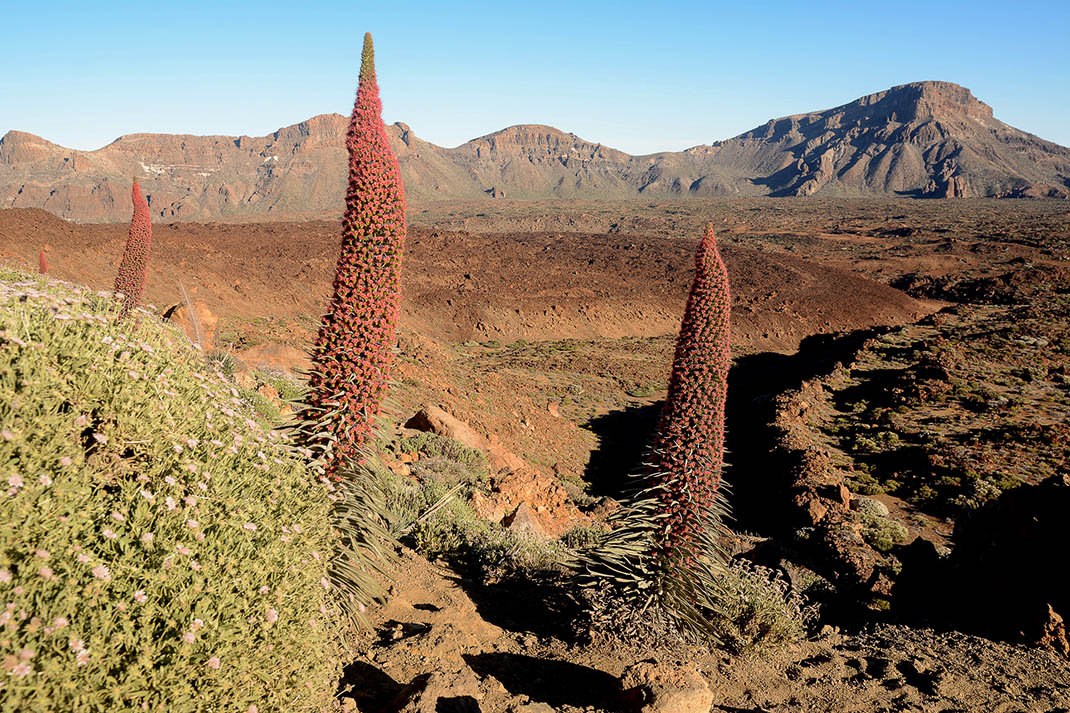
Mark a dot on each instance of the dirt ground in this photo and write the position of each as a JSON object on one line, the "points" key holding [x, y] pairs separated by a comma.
{"points": [[549, 328]]}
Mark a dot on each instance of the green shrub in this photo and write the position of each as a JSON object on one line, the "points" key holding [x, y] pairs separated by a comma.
{"points": [[882, 533], [289, 390], [264, 408], [435, 446], [435, 517], [160, 549], [224, 360], [758, 608]]}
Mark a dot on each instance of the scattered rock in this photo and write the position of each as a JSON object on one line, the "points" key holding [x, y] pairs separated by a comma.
{"points": [[654, 688], [456, 692], [199, 324], [432, 419], [544, 495], [522, 520]]}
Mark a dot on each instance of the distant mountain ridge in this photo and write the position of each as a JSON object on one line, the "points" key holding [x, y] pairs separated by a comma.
{"points": [[926, 139]]}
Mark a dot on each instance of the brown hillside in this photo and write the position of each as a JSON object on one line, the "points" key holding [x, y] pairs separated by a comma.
{"points": [[927, 139]]}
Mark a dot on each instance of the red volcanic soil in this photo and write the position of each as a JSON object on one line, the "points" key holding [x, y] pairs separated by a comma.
{"points": [[460, 286]]}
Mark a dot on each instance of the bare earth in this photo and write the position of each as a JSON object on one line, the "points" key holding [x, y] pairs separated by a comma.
{"points": [[549, 327]]}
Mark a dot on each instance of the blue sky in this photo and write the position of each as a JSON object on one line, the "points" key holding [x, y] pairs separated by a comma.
{"points": [[638, 76]]}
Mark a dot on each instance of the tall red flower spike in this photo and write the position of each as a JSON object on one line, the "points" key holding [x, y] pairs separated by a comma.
{"points": [[42, 264], [352, 353], [688, 451], [135, 263]]}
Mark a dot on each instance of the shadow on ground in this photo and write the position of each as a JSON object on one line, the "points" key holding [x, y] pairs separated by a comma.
{"points": [[555, 683]]}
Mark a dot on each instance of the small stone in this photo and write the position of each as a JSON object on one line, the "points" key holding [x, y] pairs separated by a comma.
{"points": [[654, 688]]}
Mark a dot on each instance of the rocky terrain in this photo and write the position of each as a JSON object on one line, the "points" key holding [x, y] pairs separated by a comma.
{"points": [[896, 434], [926, 139]]}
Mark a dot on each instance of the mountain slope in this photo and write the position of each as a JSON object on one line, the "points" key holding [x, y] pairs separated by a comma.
{"points": [[924, 139]]}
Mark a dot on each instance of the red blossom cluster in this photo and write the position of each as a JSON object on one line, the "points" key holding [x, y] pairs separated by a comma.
{"points": [[688, 451], [42, 264], [352, 353], [135, 263]]}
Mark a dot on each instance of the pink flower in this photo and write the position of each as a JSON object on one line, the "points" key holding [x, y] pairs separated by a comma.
{"points": [[45, 479], [265, 589], [197, 624], [117, 516], [190, 501], [5, 575], [65, 461], [182, 550], [271, 616], [170, 504], [46, 572], [214, 663], [192, 524], [139, 596], [109, 533], [83, 558], [76, 644], [82, 658], [249, 526], [59, 622], [102, 572], [195, 565], [170, 480], [146, 537], [43, 554], [22, 670], [188, 637]]}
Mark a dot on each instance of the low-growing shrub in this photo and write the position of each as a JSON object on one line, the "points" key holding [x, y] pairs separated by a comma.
{"points": [[882, 533], [160, 548], [759, 608], [435, 446], [224, 360]]}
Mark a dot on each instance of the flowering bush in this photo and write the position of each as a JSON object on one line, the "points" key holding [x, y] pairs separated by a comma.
{"points": [[135, 263], [160, 549], [351, 356]]}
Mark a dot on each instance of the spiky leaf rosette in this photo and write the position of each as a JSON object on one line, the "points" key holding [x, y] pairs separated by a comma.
{"points": [[662, 548], [42, 264], [135, 263], [352, 353]]}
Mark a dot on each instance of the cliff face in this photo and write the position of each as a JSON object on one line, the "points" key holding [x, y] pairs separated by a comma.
{"points": [[927, 139]]}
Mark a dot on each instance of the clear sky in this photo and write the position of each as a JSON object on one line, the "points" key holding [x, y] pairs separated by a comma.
{"points": [[638, 76]]}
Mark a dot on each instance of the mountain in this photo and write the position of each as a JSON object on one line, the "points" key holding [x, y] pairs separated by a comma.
{"points": [[926, 139]]}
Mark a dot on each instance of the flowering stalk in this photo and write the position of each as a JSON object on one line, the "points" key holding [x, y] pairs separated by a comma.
{"points": [[688, 452], [662, 547], [42, 264], [352, 353], [135, 263]]}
